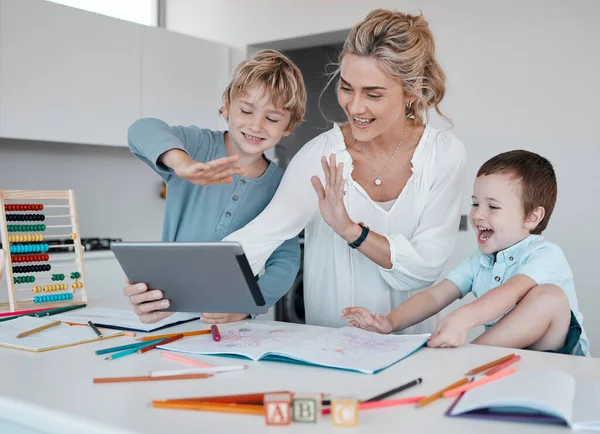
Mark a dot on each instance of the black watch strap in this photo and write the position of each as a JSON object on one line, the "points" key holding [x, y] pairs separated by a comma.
{"points": [[363, 236]]}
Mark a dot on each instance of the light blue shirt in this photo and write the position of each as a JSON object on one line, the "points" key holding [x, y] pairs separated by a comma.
{"points": [[210, 213], [541, 260]]}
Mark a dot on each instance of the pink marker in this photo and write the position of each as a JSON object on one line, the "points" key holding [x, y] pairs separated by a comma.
{"points": [[186, 360], [215, 333]]}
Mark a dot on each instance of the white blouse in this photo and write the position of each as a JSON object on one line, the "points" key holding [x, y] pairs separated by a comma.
{"points": [[421, 227]]}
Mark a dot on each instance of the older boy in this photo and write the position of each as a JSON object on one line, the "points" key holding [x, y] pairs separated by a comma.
{"points": [[264, 102]]}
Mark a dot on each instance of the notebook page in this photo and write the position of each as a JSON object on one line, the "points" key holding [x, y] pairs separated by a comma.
{"points": [[248, 339], [125, 318], [353, 349], [586, 405], [56, 336], [551, 392]]}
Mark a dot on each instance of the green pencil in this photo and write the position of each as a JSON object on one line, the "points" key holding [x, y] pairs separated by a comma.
{"points": [[58, 310], [132, 350], [124, 347]]}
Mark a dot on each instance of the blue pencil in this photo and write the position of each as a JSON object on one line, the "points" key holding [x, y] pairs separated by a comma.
{"points": [[123, 347], [132, 350]]}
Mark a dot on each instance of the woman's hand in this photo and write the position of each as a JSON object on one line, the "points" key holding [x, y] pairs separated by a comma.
{"points": [[331, 197]]}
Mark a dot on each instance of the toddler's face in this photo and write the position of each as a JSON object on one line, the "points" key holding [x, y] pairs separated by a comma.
{"points": [[497, 212]]}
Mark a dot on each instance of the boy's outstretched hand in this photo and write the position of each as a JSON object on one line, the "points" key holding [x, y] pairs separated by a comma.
{"points": [[218, 171], [362, 318], [450, 332]]}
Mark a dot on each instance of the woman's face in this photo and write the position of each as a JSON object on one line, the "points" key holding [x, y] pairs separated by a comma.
{"points": [[373, 101]]}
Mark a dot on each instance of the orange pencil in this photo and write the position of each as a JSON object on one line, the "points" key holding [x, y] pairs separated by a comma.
{"points": [[439, 394], [257, 410], [168, 341], [125, 332], [149, 378], [194, 333], [457, 391], [254, 398], [490, 365], [503, 365]]}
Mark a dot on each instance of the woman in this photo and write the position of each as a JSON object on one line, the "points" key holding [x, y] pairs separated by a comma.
{"points": [[382, 214]]}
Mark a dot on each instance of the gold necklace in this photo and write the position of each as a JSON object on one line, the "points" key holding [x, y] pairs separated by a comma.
{"points": [[378, 177]]}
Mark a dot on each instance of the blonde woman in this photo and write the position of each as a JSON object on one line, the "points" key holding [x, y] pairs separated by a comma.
{"points": [[379, 196]]}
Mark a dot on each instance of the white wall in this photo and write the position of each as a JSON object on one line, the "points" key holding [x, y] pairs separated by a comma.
{"points": [[117, 195], [521, 74]]}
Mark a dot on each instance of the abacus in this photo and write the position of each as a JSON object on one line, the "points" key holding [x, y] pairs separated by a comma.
{"points": [[24, 226]]}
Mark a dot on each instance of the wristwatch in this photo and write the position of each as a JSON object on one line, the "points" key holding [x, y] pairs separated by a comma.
{"points": [[362, 237]]}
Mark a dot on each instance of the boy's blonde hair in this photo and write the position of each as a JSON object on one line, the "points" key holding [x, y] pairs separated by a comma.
{"points": [[281, 77]]}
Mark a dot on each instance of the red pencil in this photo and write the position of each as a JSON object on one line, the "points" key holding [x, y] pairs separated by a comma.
{"points": [[24, 312], [383, 404], [167, 341]]}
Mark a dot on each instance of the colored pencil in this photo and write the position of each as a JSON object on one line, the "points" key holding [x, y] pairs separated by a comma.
{"points": [[91, 324], [210, 370], [395, 390], [257, 410], [458, 390], [149, 378], [131, 351], [162, 342], [490, 365], [193, 333], [215, 333], [250, 398], [38, 329], [186, 360], [503, 365], [58, 310], [123, 347], [23, 312], [383, 404], [125, 332], [426, 401]]}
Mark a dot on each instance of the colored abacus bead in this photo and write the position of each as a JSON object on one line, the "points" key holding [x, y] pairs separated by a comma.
{"points": [[75, 275], [77, 285], [49, 298]]}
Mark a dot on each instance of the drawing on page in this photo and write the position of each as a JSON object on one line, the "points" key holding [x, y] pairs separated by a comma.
{"points": [[356, 344], [249, 337]]}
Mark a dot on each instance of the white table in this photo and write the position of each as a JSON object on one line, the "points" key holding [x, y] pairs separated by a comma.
{"points": [[52, 392]]}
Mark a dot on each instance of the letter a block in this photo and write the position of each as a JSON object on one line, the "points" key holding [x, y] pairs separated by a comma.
{"points": [[306, 408], [344, 412], [278, 408]]}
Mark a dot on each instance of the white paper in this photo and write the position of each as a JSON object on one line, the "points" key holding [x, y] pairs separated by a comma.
{"points": [[346, 348], [59, 335], [586, 406], [550, 392], [124, 318]]}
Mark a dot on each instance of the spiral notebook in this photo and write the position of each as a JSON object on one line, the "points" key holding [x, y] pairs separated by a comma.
{"points": [[552, 397], [346, 348], [60, 336]]}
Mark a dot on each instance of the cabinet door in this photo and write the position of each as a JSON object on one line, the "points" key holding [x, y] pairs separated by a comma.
{"points": [[183, 78], [67, 75]]}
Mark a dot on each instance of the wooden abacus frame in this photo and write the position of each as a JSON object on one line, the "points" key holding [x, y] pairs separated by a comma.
{"points": [[14, 304]]}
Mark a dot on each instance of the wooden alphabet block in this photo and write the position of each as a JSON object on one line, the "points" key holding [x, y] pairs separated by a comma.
{"points": [[344, 412], [306, 408], [278, 408]]}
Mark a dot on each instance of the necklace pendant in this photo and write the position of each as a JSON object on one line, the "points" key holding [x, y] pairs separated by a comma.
{"points": [[377, 181]]}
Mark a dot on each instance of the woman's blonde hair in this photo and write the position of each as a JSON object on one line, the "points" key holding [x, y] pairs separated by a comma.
{"points": [[280, 76], [404, 46]]}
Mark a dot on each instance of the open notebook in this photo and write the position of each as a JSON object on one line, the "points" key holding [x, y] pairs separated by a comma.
{"points": [[345, 348], [122, 319], [539, 396], [60, 336]]}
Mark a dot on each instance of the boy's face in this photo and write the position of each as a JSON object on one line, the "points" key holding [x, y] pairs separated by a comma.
{"points": [[254, 123], [497, 212]]}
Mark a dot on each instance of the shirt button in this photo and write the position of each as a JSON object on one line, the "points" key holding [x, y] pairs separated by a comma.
{"points": [[234, 198], [242, 181], [497, 278], [511, 258], [228, 214]]}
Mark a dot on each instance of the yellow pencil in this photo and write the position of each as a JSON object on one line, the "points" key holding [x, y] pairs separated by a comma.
{"points": [[170, 335], [38, 329]]}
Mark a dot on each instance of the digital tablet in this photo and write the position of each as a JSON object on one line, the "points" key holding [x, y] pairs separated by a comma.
{"points": [[195, 277]]}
